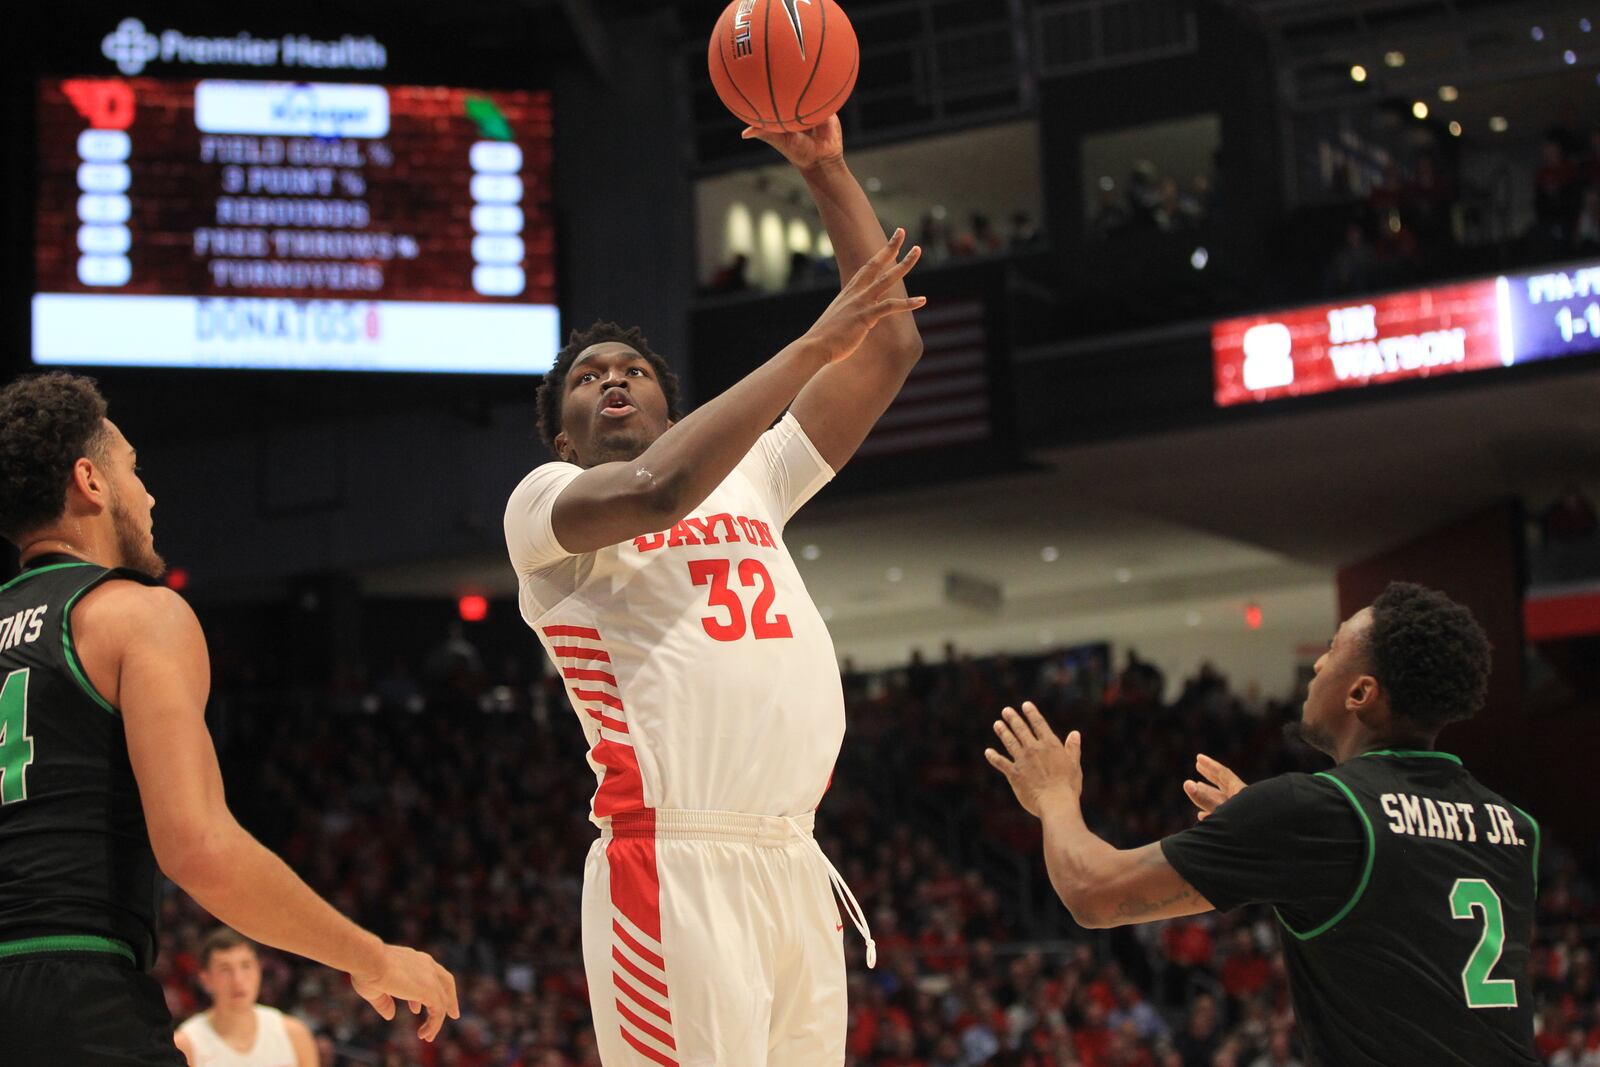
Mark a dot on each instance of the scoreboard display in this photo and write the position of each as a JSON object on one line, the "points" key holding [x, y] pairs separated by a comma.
{"points": [[293, 225], [1451, 329]]}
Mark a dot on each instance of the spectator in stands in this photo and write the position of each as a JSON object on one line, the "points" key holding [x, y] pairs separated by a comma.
{"points": [[1571, 518], [1279, 1053], [1556, 193], [1586, 230], [730, 277], [1024, 235]]}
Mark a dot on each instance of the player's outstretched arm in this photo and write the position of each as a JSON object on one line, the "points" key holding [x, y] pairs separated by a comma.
{"points": [[144, 651], [840, 405], [1101, 885], [612, 502]]}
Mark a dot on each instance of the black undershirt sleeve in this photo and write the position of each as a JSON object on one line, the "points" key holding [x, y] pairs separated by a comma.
{"points": [[1292, 841]]}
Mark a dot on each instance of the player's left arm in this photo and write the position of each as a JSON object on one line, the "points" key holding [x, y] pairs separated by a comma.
{"points": [[838, 407], [300, 1039], [1101, 885]]}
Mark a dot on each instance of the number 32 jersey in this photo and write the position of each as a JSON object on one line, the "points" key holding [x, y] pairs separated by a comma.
{"points": [[700, 669]]}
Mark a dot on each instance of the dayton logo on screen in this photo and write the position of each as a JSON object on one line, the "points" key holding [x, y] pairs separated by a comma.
{"points": [[132, 47]]}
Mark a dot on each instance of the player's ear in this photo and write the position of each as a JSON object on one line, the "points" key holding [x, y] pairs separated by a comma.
{"points": [[89, 480], [563, 446], [1363, 696]]}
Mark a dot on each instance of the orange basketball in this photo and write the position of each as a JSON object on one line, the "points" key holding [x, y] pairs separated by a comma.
{"points": [[783, 64]]}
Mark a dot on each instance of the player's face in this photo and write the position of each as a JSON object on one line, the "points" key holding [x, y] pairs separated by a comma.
{"points": [[613, 409], [232, 977], [1334, 675], [131, 507]]}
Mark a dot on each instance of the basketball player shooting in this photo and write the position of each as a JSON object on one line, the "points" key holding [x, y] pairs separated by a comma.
{"points": [[652, 566]]}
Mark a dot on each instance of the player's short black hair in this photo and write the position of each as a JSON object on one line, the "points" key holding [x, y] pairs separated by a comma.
{"points": [[220, 940], [551, 392], [47, 423], [1429, 654]]}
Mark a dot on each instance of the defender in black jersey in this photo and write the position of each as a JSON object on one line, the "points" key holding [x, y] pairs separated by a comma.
{"points": [[1404, 887], [107, 773]]}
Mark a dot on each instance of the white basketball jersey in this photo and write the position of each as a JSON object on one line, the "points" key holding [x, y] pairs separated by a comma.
{"points": [[703, 674], [272, 1047]]}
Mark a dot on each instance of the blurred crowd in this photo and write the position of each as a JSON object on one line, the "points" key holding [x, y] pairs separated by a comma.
{"points": [[1417, 221], [457, 821]]}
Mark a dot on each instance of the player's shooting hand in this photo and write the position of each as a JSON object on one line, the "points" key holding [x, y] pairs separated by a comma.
{"points": [[807, 149], [415, 978], [1217, 784], [865, 300], [1042, 770]]}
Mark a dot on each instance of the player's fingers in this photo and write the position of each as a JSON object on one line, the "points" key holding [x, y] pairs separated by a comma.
{"points": [[999, 762], [431, 1027], [1007, 738], [1218, 774], [1041, 728], [866, 276], [895, 306], [452, 1004], [891, 249], [902, 268], [1074, 745], [1206, 797], [415, 1006], [383, 1004], [1019, 726]]}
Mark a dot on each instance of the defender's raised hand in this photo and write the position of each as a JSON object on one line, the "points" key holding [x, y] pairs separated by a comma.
{"points": [[1041, 767], [864, 300], [1217, 785]]}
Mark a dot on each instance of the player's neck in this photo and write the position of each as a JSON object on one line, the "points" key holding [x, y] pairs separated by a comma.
{"points": [[80, 540], [236, 1024], [1401, 741]]}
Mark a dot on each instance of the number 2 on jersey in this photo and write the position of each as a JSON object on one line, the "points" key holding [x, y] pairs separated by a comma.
{"points": [[752, 572], [16, 747], [1467, 896]]}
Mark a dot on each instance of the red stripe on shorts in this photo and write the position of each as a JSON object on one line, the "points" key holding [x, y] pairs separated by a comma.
{"points": [[644, 1027], [640, 999], [646, 1051], [638, 950]]}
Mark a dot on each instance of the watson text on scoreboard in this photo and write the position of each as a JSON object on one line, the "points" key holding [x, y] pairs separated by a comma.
{"points": [[1422, 333]]}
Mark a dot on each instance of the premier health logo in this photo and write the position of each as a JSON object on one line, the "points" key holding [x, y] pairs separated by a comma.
{"points": [[130, 46]]}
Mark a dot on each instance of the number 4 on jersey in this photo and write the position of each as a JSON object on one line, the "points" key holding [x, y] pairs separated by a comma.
{"points": [[1467, 896], [16, 747]]}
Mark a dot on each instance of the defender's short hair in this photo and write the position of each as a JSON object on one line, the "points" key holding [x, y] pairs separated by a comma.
{"points": [[47, 423], [220, 940], [552, 389], [1429, 654]]}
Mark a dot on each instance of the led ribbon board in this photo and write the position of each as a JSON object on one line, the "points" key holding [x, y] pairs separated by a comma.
{"points": [[1451, 329]]}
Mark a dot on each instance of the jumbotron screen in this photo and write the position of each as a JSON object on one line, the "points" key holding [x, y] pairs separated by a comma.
{"points": [[1424, 333], [294, 226]]}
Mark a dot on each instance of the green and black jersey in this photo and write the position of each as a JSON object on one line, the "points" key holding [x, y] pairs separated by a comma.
{"points": [[1406, 892], [77, 872]]}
